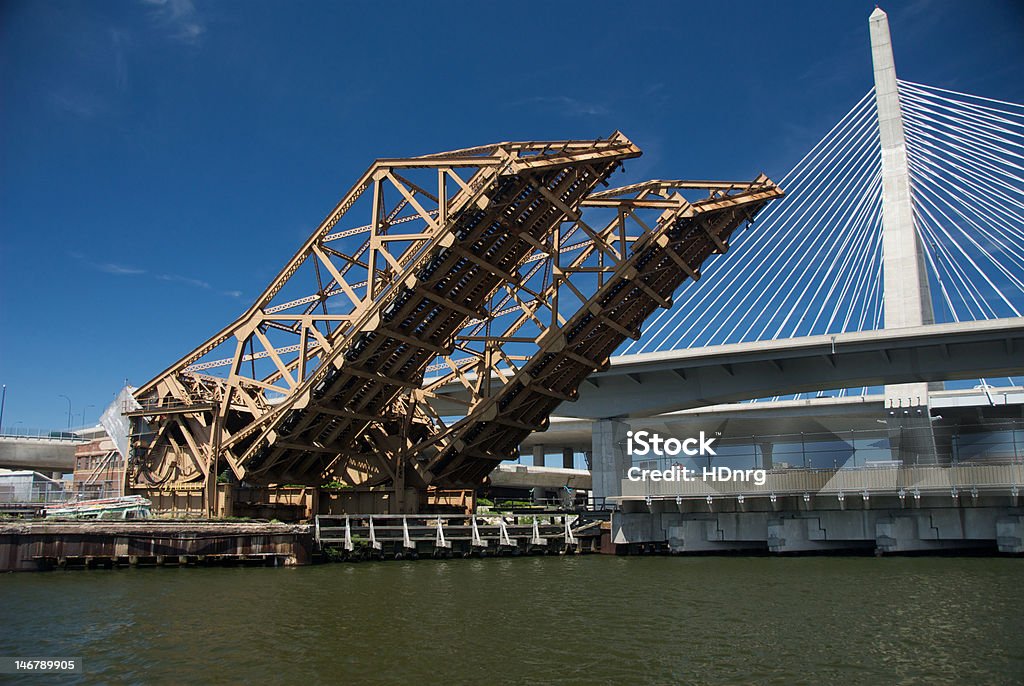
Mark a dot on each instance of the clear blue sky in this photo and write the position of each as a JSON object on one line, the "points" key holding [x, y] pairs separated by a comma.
{"points": [[160, 160]]}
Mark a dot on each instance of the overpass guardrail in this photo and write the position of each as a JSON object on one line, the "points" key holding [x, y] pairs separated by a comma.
{"points": [[913, 481], [47, 434]]}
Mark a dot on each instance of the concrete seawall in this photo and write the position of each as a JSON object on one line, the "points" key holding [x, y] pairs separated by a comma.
{"points": [[880, 525]]}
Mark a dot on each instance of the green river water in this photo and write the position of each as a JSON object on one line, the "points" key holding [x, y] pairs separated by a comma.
{"points": [[575, 620]]}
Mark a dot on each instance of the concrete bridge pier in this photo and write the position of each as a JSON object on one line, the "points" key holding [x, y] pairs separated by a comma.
{"points": [[716, 533], [906, 292], [982, 521], [687, 532], [824, 531], [610, 460], [911, 436], [636, 527], [935, 530], [568, 458], [1010, 534]]}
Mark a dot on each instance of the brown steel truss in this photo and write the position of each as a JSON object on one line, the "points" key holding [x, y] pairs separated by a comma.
{"points": [[491, 279], [590, 294], [306, 385]]}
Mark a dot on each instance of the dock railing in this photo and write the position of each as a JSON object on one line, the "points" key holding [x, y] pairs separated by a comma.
{"points": [[432, 533]]}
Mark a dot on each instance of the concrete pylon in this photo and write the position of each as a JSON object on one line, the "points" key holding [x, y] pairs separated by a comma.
{"points": [[906, 294], [538, 455], [610, 460], [568, 458]]}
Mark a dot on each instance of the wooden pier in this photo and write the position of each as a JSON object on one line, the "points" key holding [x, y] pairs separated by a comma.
{"points": [[40, 545]]}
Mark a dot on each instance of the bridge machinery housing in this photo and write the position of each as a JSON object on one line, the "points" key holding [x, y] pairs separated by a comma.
{"points": [[502, 268]]}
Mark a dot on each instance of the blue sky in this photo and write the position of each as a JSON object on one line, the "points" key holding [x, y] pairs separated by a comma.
{"points": [[160, 160]]}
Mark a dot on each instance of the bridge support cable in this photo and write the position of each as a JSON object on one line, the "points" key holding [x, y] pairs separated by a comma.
{"points": [[966, 162], [831, 197], [966, 155], [803, 181]]}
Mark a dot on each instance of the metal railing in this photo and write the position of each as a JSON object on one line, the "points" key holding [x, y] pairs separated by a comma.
{"points": [[575, 503], [96, 490], [998, 441], [36, 494], [999, 477], [49, 434]]}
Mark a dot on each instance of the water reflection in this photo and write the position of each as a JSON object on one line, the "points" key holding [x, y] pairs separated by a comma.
{"points": [[578, 620]]}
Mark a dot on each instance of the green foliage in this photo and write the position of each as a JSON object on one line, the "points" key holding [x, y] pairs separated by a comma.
{"points": [[223, 477], [512, 504], [334, 554], [485, 502]]}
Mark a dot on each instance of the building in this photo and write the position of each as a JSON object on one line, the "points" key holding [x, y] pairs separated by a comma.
{"points": [[99, 467]]}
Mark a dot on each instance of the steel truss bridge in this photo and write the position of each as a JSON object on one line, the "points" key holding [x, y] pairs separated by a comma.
{"points": [[500, 268]]}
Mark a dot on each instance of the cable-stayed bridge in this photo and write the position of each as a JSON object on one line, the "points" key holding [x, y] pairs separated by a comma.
{"points": [[799, 304], [964, 156], [894, 263]]}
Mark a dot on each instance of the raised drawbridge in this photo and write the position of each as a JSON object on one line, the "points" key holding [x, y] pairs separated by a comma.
{"points": [[500, 268]]}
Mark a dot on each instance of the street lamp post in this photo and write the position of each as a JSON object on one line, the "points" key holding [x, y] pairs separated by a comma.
{"points": [[69, 408], [3, 401], [83, 413]]}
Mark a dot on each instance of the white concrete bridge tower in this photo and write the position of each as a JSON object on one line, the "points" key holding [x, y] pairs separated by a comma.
{"points": [[906, 294]]}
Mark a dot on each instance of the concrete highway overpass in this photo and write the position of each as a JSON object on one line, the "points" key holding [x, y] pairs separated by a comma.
{"points": [[38, 453], [651, 384]]}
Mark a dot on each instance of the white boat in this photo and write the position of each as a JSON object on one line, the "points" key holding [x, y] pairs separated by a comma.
{"points": [[124, 507]]}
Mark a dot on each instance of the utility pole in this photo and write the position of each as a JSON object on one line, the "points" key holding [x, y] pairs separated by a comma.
{"points": [[69, 408]]}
